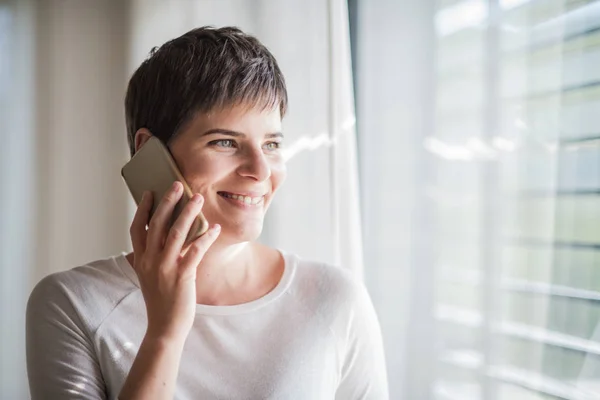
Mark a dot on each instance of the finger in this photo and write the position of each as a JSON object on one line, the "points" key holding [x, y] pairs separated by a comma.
{"points": [[181, 227], [198, 248], [137, 230], [161, 218]]}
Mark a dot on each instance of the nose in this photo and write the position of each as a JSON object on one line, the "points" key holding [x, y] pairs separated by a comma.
{"points": [[255, 165]]}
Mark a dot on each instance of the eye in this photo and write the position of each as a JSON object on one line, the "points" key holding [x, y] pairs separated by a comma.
{"points": [[224, 143], [273, 145]]}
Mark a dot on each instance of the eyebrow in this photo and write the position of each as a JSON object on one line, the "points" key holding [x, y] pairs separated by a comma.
{"points": [[228, 132]]}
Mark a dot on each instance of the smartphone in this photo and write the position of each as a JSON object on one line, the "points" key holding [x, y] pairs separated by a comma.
{"points": [[153, 169]]}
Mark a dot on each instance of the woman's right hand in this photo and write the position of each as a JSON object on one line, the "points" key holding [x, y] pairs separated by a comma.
{"points": [[165, 267]]}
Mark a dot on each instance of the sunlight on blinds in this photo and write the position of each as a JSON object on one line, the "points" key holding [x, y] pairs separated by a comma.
{"points": [[518, 199]]}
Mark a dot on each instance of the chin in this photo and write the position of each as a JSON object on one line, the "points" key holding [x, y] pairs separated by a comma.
{"points": [[241, 233]]}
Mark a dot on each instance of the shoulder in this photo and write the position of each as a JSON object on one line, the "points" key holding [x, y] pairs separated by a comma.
{"points": [[329, 289], [329, 279], [87, 292]]}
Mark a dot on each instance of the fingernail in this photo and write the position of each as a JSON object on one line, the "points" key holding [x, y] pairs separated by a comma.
{"points": [[217, 228], [196, 198], [176, 186], [144, 196]]}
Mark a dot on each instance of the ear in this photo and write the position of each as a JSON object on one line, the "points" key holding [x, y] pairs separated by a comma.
{"points": [[141, 136]]}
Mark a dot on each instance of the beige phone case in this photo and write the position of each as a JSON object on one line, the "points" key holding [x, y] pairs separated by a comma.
{"points": [[152, 168]]}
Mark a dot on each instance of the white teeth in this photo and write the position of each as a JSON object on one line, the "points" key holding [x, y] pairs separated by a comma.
{"points": [[244, 199]]}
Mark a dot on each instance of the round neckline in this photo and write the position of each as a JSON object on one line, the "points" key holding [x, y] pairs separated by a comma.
{"points": [[289, 269]]}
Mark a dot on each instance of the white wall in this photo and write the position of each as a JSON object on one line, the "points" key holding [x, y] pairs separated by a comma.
{"points": [[17, 206]]}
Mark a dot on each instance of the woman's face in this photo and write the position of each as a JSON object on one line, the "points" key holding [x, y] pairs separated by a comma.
{"points": [[233, 158]]}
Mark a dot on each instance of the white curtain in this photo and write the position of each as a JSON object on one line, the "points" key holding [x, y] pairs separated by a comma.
{"points": [[393, 67], [63, 71], [63, 142]]}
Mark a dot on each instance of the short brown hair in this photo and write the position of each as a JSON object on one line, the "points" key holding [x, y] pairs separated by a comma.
{"points": [[202, 70]]}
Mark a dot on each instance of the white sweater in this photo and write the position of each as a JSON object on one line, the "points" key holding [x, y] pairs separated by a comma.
{"points": [[314, 336]]}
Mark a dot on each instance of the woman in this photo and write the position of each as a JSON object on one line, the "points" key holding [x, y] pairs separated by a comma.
{"points": [[225, 317]]}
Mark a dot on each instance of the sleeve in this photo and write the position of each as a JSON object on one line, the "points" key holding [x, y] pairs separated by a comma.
{"points": [[364, 375], [61, 361]]}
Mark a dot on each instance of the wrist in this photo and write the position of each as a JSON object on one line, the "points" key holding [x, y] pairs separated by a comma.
{"points": [[164, 340]]}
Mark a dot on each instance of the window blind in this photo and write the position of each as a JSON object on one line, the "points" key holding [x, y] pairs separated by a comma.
{"points": [[517, 199]]}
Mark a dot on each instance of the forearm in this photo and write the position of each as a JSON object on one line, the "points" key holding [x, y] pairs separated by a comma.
{"points": [[153, 374]]}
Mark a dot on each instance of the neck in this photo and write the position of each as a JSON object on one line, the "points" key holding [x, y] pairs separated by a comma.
{"points": [[226, 269], [232, 274]]}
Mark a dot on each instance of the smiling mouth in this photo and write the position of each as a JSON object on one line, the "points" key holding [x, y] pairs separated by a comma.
{"points": [[247, 200]]}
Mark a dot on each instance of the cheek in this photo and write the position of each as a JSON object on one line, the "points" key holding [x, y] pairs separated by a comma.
{"points": [[201, 172], [278, 174]]}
